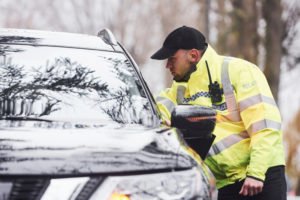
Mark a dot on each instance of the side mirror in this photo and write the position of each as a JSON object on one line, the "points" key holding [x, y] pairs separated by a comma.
{"points": [[197, 124]]}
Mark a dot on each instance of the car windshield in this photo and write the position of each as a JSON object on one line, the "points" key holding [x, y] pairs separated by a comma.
{"points": [[46, 83]]}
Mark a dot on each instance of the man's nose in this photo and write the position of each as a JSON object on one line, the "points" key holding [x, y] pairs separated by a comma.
{"points": [[168, 64]]}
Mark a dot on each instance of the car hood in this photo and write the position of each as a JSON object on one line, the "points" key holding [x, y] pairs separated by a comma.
{"points": [[102, 150]]}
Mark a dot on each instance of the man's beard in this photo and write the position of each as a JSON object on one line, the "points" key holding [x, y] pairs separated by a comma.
{"points": [[186, 76]]}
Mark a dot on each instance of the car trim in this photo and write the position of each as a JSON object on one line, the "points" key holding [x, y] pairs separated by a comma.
{"points": [[61, 46], [104, 174]]}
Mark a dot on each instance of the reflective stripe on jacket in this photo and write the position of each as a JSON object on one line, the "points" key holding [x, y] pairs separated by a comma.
{"points": [[248, 133]]}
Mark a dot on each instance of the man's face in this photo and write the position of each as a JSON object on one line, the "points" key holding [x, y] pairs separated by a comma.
{"points": [[179, 64]]}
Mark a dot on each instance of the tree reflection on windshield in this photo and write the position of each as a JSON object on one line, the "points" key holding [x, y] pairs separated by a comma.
{"points": [[63, 77], [121, 102], [66, 84], [6, 49]]}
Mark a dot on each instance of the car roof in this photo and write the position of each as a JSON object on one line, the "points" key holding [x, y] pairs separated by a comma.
{"points": [[52, 38]]}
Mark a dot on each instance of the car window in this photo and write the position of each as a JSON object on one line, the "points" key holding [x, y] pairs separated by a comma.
{"points": [[70, 85]]}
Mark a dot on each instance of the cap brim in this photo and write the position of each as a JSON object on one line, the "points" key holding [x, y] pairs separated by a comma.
{"points": [[163, 53]]}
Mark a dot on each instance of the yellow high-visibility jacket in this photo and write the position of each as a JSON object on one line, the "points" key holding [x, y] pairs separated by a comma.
{"points": [[248, 128]]}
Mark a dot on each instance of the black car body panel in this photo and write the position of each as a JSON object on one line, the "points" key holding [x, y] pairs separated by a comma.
{"points": [[80, 151]]}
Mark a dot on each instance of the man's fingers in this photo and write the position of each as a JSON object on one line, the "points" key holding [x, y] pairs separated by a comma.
{"points": [[247, 190], [251, 187], [255, 189], [251, 192], [244, 190], [258, 189]]}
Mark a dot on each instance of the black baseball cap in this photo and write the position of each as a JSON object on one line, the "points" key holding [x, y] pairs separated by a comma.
{"points": [[181, 38]]}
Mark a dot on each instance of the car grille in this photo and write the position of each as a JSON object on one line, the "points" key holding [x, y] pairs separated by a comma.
{"points": [[28, 189]]}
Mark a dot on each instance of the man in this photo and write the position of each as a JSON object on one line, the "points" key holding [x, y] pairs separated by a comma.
{"points": [[247, 157]]}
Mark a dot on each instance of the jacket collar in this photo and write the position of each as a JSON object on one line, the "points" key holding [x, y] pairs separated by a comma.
{"points": [[209, 56]]}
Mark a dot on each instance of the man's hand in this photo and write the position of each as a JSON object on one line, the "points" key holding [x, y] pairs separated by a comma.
{"points": [[251, 187], [167, 122]]}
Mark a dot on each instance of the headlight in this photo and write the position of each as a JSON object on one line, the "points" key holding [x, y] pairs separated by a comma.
{"points": [[188, 184]]}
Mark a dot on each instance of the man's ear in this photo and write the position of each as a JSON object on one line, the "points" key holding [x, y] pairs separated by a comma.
{"points": [[194, 55]]}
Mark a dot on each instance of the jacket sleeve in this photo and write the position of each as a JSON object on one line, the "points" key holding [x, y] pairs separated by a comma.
{"points": [[261, 119], [166, 102]]}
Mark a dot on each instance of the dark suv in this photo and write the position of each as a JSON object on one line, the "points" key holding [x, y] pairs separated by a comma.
{"points": [[77, 121]]}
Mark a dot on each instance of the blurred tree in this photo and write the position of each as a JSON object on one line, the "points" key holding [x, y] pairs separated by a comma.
{"points": [[129, 25], [292, 136], [173, 14], [204, 17], [244, 27], [223, 21], [291, 60], [272, 13], [11, 17], [291, 34], [238, 35]]}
